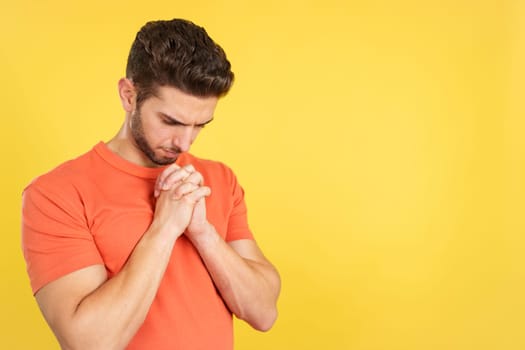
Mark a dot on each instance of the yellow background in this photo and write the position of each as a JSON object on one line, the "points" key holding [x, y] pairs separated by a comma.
{"points": [[381, 145]]}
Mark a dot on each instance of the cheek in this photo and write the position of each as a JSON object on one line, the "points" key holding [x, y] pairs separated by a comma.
{"points": [[163, 134], [156, 132]]}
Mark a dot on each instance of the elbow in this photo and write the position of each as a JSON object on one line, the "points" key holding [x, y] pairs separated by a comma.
{"points": [[82, 344], [263, 322], [81, 340], [93, 344], [266, 324]]}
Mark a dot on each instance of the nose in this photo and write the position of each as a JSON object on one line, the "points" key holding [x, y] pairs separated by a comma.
{"points": [[184, 138]]}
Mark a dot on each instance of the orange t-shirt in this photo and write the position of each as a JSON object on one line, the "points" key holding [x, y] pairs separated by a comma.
{"points": [[95, 208]]}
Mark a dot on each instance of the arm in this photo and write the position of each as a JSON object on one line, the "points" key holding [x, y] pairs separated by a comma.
{"points": [[246, 280], [86, 310]]}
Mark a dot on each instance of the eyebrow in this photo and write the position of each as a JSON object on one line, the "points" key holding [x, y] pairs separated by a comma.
{"points": [[178, 122]]}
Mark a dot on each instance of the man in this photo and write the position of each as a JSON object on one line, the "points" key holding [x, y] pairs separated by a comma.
{"points": [[138, 244]]}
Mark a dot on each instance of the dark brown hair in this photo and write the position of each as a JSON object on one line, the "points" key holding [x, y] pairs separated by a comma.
{"points": [[180, 54]]}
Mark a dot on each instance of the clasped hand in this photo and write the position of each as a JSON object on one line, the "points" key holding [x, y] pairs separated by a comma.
{"points": [[181, 203]]}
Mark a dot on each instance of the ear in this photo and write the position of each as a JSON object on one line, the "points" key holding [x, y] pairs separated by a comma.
{"points": [[128, 94]]}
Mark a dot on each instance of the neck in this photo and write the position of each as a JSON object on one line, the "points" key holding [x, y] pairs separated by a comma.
{"points": [[123, 145]]}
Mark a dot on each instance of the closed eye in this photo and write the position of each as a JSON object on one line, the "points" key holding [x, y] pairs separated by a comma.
{"points": [[170, 121], [201, 126], [174, 122]]}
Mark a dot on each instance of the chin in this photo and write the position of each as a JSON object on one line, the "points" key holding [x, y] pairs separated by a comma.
{"points": [[165, 160]]}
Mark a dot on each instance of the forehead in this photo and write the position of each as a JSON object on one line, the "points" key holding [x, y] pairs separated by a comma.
{"points": [[182, 106]]}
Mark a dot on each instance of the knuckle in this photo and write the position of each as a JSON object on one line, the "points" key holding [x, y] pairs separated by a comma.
{"points": [[169, 170], [179, 191]]}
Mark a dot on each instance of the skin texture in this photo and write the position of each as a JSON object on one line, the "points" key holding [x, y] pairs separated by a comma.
{"points": [[80, 305]]}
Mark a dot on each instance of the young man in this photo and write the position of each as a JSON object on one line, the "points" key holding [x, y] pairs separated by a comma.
{"points": [[138, 244]]}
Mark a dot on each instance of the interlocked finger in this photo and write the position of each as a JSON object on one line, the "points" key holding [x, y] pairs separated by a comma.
{"points": [[194, 178], [162, 177], [198, 194], [178, 175], [189, 168], [173, 175], [184, 189]]}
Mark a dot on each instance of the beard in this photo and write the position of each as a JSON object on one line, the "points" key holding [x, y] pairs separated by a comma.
{"points": [[137, 132]]}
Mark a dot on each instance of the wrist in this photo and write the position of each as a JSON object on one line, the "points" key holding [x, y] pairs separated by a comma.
{"points": [[205, 237], [166, 230]]}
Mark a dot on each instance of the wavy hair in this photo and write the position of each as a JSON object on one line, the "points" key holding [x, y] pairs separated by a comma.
{"points": [[180, 54]]}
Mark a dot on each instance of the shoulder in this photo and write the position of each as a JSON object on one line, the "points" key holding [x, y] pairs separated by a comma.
{"points": [[63, 180]]}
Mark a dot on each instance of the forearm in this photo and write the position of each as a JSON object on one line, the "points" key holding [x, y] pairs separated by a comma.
{"points": [[111, 315], [249, 288]]}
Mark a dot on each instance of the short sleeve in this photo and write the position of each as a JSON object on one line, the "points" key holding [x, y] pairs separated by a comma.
{"points": [[56, 239], [238, 222]]}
